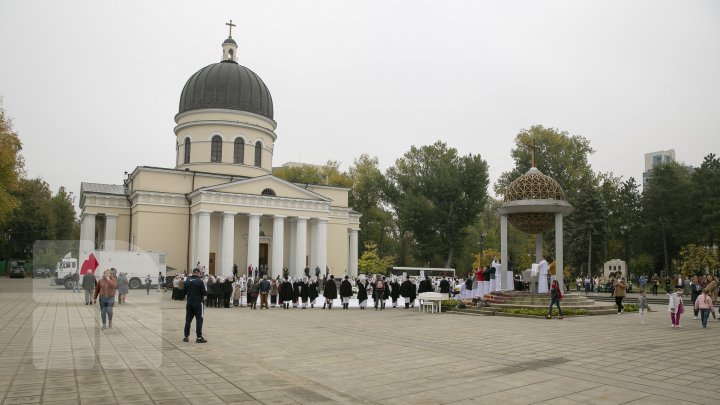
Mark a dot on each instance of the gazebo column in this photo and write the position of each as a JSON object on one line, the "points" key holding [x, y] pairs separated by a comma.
{"points": [[538, 247], [503, 253], [559, 250]]}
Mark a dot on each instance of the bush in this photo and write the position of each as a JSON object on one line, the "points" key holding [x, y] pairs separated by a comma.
{"points": [[630, 308], [449, 303]]}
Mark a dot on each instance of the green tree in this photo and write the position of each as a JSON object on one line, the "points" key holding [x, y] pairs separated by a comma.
{"points": [[32, 220], [562, 156], [643, 264], [437, 196], [587, 230], [667, 208], [698, 260], [62, 206], [327, 175], [371, 263], [11, 167], [366, 197], [706, 200]]}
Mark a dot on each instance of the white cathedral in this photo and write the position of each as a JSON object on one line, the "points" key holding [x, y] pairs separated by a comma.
{"points": [[220, 205]]}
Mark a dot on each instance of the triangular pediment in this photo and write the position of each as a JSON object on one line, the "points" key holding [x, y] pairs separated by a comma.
{"points": [[256, 186]]}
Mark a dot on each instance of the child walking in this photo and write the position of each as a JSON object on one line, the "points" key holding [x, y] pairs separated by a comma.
{"points": [[642, 306], [704, 303], [675, 307]]}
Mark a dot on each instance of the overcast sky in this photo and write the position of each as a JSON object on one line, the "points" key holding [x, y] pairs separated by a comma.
{"points": [[93, 86]]}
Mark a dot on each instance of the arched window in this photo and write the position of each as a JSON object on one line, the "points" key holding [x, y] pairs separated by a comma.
{"points": [[268, 191], [239, 151], [216, 149], [258, 154], [186, 158]]}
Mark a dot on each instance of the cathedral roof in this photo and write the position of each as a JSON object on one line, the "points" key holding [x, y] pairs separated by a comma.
{"points": [[226, 85]]}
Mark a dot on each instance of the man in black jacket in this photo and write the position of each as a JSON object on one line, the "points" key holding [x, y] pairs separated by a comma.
{"points": [[195, 291], [444, 286], [345, 292]]}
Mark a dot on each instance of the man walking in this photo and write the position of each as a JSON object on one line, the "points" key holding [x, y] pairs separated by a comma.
{"points": [[195, 292], [161, 281], [148, 281], [76, 281], [88, 284], [105, 291], [378, 292], [264, 290]]}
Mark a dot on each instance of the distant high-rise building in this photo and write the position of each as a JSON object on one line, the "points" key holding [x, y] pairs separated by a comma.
{"points": [[655, 158]]}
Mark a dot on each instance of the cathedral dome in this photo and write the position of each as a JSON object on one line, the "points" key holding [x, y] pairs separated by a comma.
{"points": [[227, 85], [533, 185]]}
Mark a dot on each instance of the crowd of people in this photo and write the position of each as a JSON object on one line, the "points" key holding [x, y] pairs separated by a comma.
{"points": [[303, 292]]}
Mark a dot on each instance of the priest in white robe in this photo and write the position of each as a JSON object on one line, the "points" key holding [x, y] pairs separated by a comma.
{"points": [[543, 272]]}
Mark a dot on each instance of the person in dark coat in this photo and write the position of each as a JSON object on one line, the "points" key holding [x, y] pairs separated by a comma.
{"points": [[296, 293], [444, 286], [313, 292], [286, 292], [362, 295], [303, 293], [379, 288], [345, 292], [386, 293], [405, 291], [219, 293], [210, 300], [227, 292], [330, 292], [425, 285], [394, 291]]}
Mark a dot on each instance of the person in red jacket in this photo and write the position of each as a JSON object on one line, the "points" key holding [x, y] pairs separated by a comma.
{"points": [[555, 297]]}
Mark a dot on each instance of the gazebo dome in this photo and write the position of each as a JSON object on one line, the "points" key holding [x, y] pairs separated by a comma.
{"points": [[534, 185]]}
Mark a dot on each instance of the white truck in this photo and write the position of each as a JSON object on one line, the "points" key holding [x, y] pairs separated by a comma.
{"points": [[137, 265]]}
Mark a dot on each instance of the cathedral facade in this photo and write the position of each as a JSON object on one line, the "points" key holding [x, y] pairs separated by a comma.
{"points": [[220, 205]]}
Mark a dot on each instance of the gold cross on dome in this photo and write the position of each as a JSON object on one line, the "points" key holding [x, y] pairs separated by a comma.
{"points": [[534, 149], [231, 25]]}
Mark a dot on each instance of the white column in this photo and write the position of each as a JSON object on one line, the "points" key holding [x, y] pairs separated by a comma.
{"points": [[313, 245], [293, 246], [322, 245], [300, 246], [110, 231], [193, 241], [559, 250], [538, 247], [203, 239], [253, 241], [353, 270], [218, 245], [87, 233], [503, 253], [277, 246], [228, 242]]}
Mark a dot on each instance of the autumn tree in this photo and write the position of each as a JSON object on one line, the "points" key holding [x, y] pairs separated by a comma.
{"points": [[11, 167]]}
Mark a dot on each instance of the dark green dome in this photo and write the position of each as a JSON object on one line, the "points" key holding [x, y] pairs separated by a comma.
{"points": [[226, 85]]}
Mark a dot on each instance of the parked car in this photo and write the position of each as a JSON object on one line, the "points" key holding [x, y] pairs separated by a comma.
{"points": [[41, 273], [16, 269]]}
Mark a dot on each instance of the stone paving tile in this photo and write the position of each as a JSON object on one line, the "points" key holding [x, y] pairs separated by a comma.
{"points": [[315, 356]]}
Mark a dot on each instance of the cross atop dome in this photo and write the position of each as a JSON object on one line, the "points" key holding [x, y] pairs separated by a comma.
{"points": [[230, 25]]}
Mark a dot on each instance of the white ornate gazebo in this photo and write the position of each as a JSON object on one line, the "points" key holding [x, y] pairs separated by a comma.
{"points": [[534, 203]]}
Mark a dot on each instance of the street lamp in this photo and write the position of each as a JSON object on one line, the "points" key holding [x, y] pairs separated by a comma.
{"points": [[482, 247], [624, 230]]}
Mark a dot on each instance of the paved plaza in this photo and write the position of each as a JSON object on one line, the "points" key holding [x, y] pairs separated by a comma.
{"points": [[53, 352]]}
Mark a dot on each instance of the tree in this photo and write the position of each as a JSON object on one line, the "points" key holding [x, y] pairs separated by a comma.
{"points": [[327, 175], [698, 260], [371, 263], [706, 200], [62, 206], [437, 196], [559, 155], [667, 209], [587, 230], [11, 167], [366, 197]]}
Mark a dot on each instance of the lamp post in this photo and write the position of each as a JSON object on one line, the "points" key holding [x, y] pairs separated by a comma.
{"points": [[624, 230], [482, 247]]}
